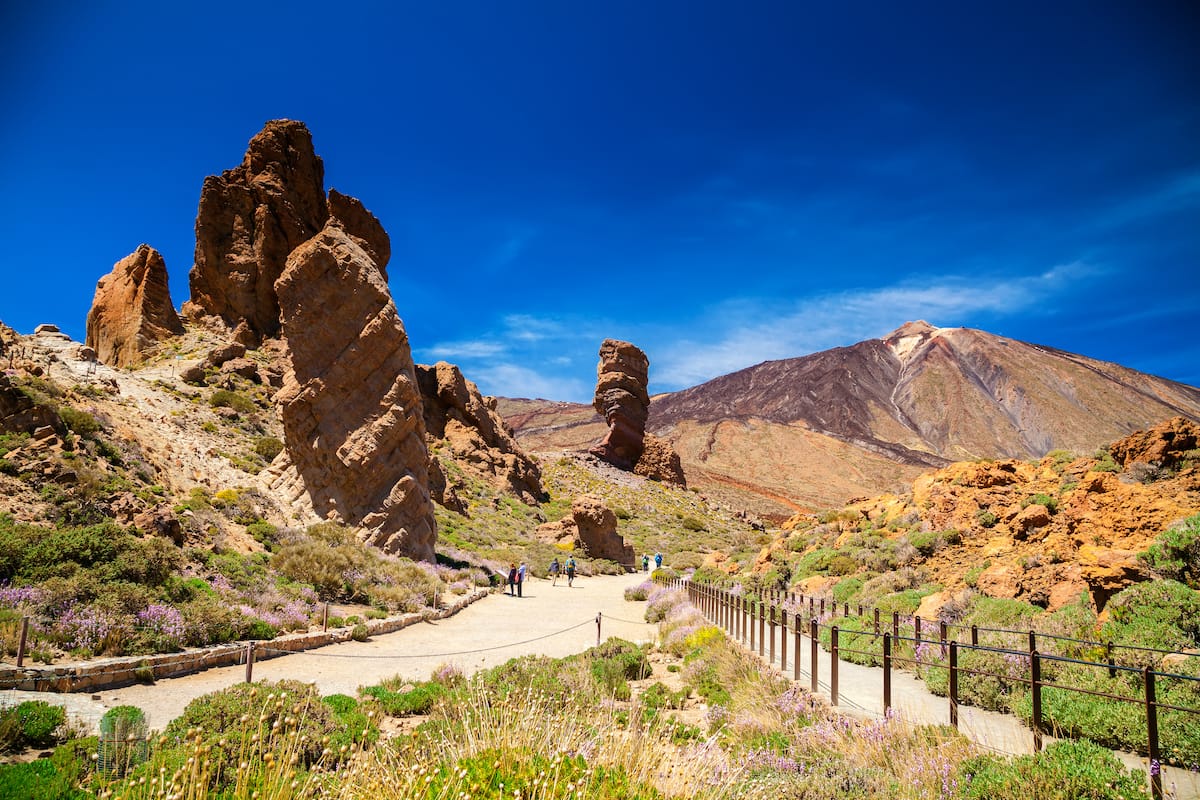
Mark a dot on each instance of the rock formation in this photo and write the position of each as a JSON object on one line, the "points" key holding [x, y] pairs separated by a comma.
{"points": [[592, 527], [659, 461], [1164, 445], [621, 398], [252, 217], [132, 310], [456, 413], [354, 435]]}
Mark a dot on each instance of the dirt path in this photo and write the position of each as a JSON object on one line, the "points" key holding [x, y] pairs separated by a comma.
{"points": [[549, 620]]}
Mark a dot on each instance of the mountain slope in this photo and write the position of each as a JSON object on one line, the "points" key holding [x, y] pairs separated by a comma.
{"points": [[818, 430]]}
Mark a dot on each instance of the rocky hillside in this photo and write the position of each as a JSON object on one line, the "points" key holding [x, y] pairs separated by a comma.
{"points": [[814, 432], [1044, 531]]}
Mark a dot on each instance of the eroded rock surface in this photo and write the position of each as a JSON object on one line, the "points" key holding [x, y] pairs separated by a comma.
{"points": [[354, 434], [592, 527], [659, 461], [132, 312], [621, 398], [252, 217], [457, 414]]}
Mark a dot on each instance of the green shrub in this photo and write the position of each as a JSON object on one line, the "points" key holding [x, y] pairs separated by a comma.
{"points": [[407, 700], [1042, 499], [692, 524], [122, 740], [224, 398], [1063, 771], [268, 447], [37, 723], [80, 422], [1176, 553], [1160, 614]]}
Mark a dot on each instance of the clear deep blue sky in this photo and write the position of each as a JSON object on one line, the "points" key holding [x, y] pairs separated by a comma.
{"points": [[719, 183]]}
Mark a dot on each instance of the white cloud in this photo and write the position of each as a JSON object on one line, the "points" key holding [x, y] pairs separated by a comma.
{"points": [[514, 380], [747, 333], [477, 348]]}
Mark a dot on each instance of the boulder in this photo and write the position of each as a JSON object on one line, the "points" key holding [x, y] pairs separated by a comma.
{"points": [[354, 434], [1109, 570], [660, 462], [592, 527], [621, 398], [20, 414], [252, 217], [1164, 445], [458, 415], [131, 311], [1000, 580]]}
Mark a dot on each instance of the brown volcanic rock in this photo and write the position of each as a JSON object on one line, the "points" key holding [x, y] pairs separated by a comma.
{"points": [[20, 414], [659, 461], [478, 439], [132, 310], [363, 227], [252, 217], [353, 428], [1163, 445], [592, 526], [621, 398]]}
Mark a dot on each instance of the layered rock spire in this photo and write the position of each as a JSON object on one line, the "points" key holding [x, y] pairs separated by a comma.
{"points": [[621, 379], [353, 428]]}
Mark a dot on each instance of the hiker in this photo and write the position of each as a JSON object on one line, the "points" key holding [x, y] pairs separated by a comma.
{"points": [[555, 568], [571, 571], [512, 578], [645, 563], [658, 560], [521, 571]]}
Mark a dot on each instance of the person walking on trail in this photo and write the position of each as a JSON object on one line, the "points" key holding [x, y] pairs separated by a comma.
{"points": [[571, 571], [521, 572], [555, 568], [512, 579], [645, 563], [658, 560]]}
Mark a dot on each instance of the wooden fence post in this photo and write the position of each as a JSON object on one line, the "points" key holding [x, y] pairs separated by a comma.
{"points": [[249, 662], [783, 632], [1156, 790], [798, 645], [954, 684], [22, 641], [1035, 687], [833, 666], [812, 636], [887, 672], [771, 649], [762, 630]]}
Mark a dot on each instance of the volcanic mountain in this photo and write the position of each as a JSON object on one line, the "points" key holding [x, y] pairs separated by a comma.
{"points": [[819, 430]]}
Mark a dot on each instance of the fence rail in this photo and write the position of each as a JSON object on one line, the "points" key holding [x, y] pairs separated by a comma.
{"points": [[737, 614]]}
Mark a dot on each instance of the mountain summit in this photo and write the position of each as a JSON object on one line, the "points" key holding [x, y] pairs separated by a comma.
{"points": [[819, 430]]}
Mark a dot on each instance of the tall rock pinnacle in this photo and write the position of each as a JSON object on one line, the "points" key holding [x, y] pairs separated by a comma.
{"points": [[621, 398], [353, 428]]}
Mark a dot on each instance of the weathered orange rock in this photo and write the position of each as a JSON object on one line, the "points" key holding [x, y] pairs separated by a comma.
{"points": [[660, 462], [354, 435], [456, 413], [1109, 570], [1163, 445], [591, 526], [132, 312], [1000, 580]]}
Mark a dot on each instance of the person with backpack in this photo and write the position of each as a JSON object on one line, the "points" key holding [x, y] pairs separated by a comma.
{"points": [[555, 568], [512, 579], [658, 560], [571, 571]]}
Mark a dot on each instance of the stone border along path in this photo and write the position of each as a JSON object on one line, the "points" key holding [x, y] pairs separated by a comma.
{"points": [[549, 620], [555, 621]]}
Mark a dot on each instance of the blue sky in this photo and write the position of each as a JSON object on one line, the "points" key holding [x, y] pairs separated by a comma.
{"points": [[719, 183]]}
